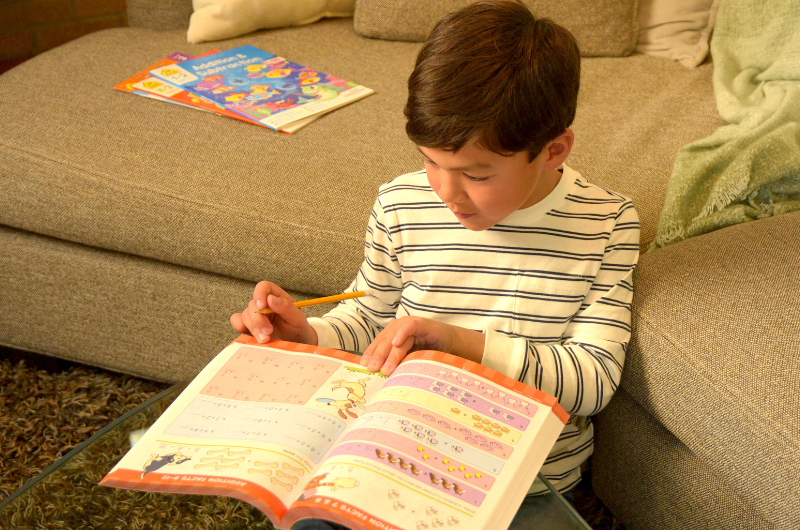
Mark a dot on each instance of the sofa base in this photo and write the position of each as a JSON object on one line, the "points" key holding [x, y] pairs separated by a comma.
{"points": [[650, 480], [104, 308]]}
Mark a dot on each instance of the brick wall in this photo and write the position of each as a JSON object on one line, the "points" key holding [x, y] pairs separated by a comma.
{"points": [[29, 27]]}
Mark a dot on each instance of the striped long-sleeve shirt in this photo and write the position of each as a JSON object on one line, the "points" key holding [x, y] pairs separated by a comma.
{"points": [[550, 286]]}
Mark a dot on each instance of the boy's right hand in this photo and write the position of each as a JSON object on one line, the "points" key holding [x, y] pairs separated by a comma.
{"points": [[287, 322]]}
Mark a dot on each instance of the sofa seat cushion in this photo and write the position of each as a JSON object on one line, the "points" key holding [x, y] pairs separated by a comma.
{"points": [[117, 311], [85, 163], [714, 355], [93, 165]]}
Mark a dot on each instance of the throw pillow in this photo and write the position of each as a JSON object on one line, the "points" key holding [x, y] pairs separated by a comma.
{"points": [[224, 19], [602, 28], [677, 29]]}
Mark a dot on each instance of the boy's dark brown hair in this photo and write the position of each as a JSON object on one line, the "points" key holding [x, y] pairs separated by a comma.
{"points": [[493, 73]]}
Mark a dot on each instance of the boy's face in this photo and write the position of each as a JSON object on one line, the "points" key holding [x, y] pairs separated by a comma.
{"points": [[482, 187]]}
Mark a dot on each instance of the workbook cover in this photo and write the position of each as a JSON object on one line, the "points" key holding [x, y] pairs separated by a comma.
{"points": [[301, 431], [261, 86], [144, 84]]}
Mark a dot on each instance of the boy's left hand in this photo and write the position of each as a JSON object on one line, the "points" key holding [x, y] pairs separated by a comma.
{"points": [[407, 334]]}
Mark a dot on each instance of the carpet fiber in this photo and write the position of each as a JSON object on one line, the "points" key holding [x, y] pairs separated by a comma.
{"points": [[47, 407]]}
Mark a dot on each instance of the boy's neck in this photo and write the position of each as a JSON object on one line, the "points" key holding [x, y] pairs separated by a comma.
{"points": [[548, 181]]}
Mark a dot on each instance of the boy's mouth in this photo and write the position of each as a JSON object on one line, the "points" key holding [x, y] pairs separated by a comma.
{"points": [[463, 215]]}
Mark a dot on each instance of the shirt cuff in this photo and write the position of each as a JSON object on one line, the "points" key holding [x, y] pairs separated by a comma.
{"points": [[326, 335], [504, 354]]}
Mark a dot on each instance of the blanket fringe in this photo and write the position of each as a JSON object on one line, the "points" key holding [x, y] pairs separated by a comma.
{"points": [[721, 201], [672, 232]]}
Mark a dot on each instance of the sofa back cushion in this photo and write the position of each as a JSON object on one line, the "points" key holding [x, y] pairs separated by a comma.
{"points": [[159, 15], [608, 28]]}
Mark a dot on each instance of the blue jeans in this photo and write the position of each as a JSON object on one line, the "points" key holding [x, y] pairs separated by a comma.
{"points": [[528, 515]]}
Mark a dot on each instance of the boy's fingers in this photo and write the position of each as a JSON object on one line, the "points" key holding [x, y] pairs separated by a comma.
{"points": [[410, 328], [263, 290], [365, 357], [260, 294], [396, 355], [290, 314], [255, 320], [369, 353], [238, 325], [401, 336], [378, 356], [259, 326]]}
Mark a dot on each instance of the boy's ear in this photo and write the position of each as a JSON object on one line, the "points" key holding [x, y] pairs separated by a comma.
{"points": [[558, 150]]}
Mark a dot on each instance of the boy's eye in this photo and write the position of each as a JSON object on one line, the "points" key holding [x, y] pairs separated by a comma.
{"points": [[476, 179]]}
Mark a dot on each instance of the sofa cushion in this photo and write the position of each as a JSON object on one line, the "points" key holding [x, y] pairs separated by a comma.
{"points": [[633, 116], [161, 15], [85, 163], [714, 355], [113, 310], [89, 164], [650, 480], [607, 28]]}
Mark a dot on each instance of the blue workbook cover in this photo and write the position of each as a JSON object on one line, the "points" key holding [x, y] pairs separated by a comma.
{"points": [[262, 86]]}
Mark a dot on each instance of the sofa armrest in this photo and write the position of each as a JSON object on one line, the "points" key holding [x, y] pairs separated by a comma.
{"points": [[714, 357], [159, 15]]}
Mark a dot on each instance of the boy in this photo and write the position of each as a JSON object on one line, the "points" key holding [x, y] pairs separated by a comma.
{"points": [[496, 251]]}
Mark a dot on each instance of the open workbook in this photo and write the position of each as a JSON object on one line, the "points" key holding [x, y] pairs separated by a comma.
{"points": [[300, 431]]}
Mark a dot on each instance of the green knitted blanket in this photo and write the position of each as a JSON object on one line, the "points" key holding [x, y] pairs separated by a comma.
{"points": [[749, 168]]}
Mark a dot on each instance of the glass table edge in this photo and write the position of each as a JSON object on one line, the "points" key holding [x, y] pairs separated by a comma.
{"points": [[81, 446], [566, 505]]}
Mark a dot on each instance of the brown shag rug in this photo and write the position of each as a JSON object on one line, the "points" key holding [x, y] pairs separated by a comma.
{"points": [[48, 407]]}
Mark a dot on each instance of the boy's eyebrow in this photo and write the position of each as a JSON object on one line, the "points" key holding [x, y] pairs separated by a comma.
{"points": [[477, 165]]}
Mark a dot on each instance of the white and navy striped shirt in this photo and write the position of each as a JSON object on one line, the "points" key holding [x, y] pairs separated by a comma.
{"points": [[550, 286]]}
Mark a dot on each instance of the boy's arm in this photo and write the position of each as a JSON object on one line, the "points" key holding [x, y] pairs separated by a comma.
{"points": [[353, 324], [584, 369]]}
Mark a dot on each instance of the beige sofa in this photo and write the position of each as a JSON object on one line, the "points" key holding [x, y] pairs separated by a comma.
{"points": [[131, 229]]}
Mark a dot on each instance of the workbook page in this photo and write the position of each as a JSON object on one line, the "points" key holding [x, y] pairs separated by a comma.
{"points": [[253, 425], [444, 442]]}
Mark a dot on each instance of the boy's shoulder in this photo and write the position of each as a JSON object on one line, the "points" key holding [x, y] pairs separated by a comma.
{"points": [[590, 203], [587, 197], [584, 190], [406, 187], [415, 178]]}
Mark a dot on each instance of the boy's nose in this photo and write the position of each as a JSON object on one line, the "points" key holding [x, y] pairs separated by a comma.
{"points": [[449, 190]]}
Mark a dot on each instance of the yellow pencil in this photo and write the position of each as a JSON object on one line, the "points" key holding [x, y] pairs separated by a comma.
{"points": [[323, 300]]}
